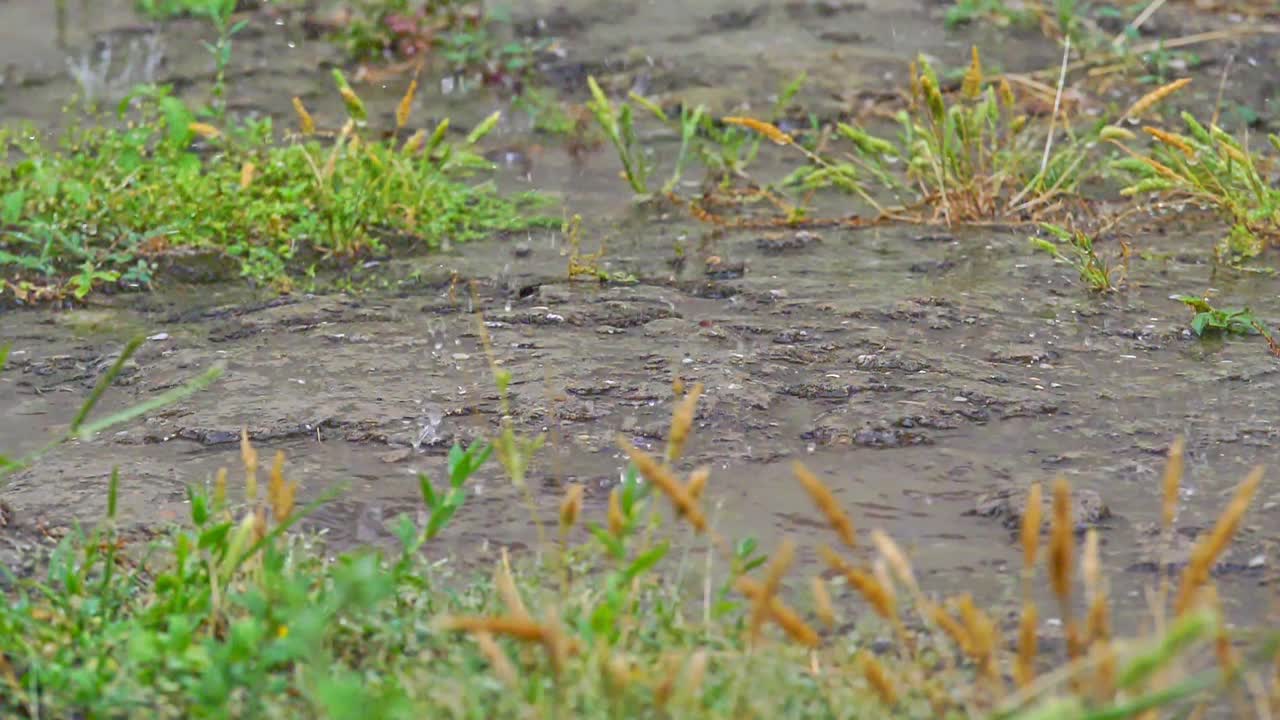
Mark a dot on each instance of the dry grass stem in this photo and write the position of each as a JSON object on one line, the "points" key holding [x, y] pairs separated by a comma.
{"points": [[406, 104], [952, 627], [520, 628], [822, 496], [1061, 543]]}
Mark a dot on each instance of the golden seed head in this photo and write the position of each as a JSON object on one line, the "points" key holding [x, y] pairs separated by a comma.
{"points": [[570, 507], [682, 422], [1210, 547], [878, 678], [1024, 671], [774, 573], [617, 520], [879, 597], [895, 558], [1173, 470], [698, 481], [971, 88], [768, 130], [1151, 99], [1007, 98], [1062, 543], [406, 104], [822, 605], [246, 175], [220, 489], [1172, 140], [306, 125], [662, 478], [950, 626], [1091, 564], [1031, 518], [822, 496]]}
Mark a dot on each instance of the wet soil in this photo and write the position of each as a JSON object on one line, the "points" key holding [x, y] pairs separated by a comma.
{"points": [[927, 375]]}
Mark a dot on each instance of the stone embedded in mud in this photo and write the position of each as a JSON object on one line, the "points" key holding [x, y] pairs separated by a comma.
{"points": [[780, 243], [1007, 504]]}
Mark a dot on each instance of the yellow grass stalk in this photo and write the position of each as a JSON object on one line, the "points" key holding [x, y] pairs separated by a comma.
{"points": [[617, 520], [1153, 98], [789, 620], [1172, 482], [220, 489], [1031, 518], [280, 494], [249, 457], [519, 628], [1024, 668], [971, 88], [698, 482], [306, 125], [1211, 546], [952, 627], [822, 605], [414, 143], [768, 130], [696, 672], [204, 130], [246, 175], [1005, 93], [822, 496], [1091, 564], [1061, 543], [778, 566], [498, 660], [682, 423], [557, 644], [878, 678], [662, 478], [570, 507], [1173, 140], [984, 638], [406, 104]]}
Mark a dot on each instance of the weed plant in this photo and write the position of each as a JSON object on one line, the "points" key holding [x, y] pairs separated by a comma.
{"points": [[1208, 167], [103, 206], [1075, 248], [236, 614]]}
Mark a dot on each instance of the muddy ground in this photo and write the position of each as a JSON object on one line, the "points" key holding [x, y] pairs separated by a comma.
{"points": [[917, 370]]}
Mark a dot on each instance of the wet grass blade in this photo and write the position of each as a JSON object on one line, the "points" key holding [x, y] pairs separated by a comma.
{"points": [[169, 397], [105, 381]]}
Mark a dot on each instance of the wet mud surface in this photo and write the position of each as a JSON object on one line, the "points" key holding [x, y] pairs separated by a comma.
{"points": [[928, 376]]}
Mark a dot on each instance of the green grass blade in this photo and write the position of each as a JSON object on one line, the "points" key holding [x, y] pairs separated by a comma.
{"points": [[169, 397], [105, 381]]}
